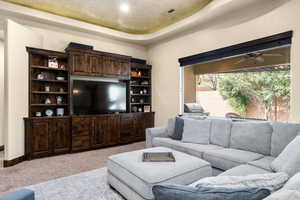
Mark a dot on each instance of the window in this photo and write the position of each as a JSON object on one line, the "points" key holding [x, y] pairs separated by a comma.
{"points": [[255, 85]]}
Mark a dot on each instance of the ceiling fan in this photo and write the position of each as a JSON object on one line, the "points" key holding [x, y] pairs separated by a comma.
{"points": [[257, 57]]}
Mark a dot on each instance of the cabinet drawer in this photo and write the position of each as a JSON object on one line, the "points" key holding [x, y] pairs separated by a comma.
{"points": [[80, 143]]}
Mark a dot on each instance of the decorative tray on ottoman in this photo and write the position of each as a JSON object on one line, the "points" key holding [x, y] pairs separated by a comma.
{"points": [[158, 157]]}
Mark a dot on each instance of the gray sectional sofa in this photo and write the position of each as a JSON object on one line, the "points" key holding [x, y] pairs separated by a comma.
{"points": [[235, 147]]}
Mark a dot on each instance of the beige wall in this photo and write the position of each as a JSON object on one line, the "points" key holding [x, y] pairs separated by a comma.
{"points": [[58, 40], [189, 85], [1, 90], [16, 74], [164, 55]]}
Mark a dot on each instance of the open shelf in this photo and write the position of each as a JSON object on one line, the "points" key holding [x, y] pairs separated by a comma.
{"points": [[48, 88], [42, 92], [140, 94], [53, 117], [141, 77], [48, 68], [140, 103], [140, 85], [53, 81], [49, 105]]}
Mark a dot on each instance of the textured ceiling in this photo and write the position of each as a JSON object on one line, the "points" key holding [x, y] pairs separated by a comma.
{"points": [[143, 16]]}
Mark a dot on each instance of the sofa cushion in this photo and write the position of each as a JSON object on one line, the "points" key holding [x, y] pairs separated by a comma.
{"points": [[252, 136], [129, 168], [264, 163], [243, 170], [284, 194], [220, 132], [283, 134], [228, 158], [189, 148], [196, 131], [271, 181], [180, 192], [290, 191], [289, 159], [293, 183]]}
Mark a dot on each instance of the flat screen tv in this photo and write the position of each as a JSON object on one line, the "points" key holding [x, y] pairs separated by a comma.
{"points": [[98, 97]]}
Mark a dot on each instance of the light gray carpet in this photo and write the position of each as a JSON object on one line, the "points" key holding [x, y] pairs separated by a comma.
{"points": [[89, 185]]}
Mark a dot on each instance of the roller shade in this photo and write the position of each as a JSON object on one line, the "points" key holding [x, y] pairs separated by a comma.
{"points": [[277, 40]]}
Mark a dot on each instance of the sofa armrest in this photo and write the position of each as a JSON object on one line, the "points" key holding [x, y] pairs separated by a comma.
{"points": [[155, 132], [23, 194]]}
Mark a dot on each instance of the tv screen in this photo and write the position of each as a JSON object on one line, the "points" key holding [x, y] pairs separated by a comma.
{"points": [[95, 97]]}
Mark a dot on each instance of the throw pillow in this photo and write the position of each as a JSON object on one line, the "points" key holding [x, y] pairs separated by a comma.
{"points": [[288, 160], [171, 126], [270, 181], [196, 131], [178, 130], [178, 192]]}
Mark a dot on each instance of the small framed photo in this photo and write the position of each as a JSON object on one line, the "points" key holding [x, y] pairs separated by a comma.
{"points": [[147, 108], [52, 62]]}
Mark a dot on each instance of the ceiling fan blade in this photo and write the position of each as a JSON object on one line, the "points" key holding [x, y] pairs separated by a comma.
{"points": [[273, 54], [240, 61]]}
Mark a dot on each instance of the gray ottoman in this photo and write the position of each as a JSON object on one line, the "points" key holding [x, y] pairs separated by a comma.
{"points": [[134, 179]]}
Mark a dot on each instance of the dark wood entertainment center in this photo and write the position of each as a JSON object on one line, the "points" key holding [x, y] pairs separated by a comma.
{"points": [[67, 132]]}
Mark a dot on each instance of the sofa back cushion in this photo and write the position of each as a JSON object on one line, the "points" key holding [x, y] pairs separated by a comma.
{"points": [[288, 160], [196, 131], [283, 134], [251, 136], [220, 132]]}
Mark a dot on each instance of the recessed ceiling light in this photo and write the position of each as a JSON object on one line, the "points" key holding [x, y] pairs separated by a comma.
{"points": [[124, 7]]}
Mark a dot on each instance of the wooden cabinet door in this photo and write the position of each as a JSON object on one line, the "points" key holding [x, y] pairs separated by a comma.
{"points": [[106, 131], [127, 130], [99, 135], [107, 66], [116, 67], [60, 129], [80, 63], [142, 122], [40, 138], [96, 65], [82, 128], [125, 69]]}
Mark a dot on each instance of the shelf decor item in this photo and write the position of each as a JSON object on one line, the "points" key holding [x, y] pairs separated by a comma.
{"points": [[147, 108], [63, 67], [38, 114], [52, 62], [134, 109], [145, 83], [48, 101], [40, 76], [49, 112], [60, 112], [140, 110], [60, 78], [145, 91], [59, 100], [61, 90], [47, 88]]}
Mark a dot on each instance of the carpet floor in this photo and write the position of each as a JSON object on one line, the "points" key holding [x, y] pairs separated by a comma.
{"points": [[91, 185], [45, 169]]}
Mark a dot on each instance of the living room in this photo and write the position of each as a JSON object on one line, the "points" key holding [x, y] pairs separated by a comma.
{"points": [[147, 50]]}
